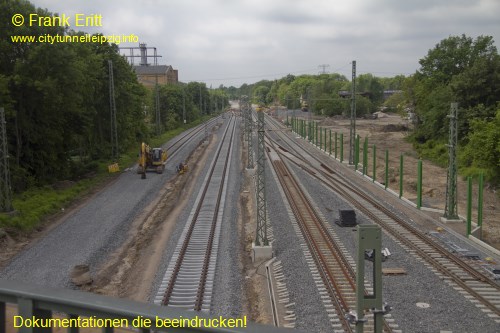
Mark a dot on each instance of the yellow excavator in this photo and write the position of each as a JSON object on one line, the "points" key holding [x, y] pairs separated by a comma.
{"points": [[151, 159]]}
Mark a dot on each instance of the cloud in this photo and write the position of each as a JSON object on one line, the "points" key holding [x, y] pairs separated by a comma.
{"points": [[213, 39]]}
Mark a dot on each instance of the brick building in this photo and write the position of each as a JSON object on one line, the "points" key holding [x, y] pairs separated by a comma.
{"points": [[150, 75]]}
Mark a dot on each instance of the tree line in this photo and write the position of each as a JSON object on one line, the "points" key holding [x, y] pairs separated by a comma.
{"points": [[326, 94], [458, 69], [56, 101]]}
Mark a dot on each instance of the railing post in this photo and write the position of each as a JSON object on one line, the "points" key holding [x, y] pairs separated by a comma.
{"points": [[419, 184], [374, 163], [73, 329], [3, 317], [27, 309]]}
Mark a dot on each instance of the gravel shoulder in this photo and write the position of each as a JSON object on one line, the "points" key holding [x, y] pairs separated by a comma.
{"points": [[92, 232]]}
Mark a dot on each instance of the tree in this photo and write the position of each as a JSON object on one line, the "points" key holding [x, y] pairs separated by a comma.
{"points": [[260, 94], [482, 152], [467, 71], [454, 55]]}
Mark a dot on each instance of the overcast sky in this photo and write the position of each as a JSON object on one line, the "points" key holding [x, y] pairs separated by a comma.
{"points": [[232, 42]]}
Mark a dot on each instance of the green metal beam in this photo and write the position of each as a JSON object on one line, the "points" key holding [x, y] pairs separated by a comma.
{"points": [[469, 205], [419, 184], [401, 166], [369, 238], [341, 147], [386, 168], [480, 202]]}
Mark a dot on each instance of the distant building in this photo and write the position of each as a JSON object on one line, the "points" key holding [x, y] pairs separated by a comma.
{"points": [[347, 93], [389, 93], [150, 75]]}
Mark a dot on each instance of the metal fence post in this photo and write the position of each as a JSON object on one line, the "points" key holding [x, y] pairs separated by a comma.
{"points": [[330, 143], [480, 206], [401, 164], [419, 184], [365, 156], [320, 130], [469, 205], [325, 145], [316, 139], [309, 131], [335, 145], [356, 155], [374, 163], [341, 147], [386, 168]]}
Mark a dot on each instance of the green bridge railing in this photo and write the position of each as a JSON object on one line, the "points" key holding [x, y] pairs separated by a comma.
{"points": [[74, 310]]}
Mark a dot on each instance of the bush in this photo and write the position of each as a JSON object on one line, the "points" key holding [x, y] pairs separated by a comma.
{"points": [[434, 151]]}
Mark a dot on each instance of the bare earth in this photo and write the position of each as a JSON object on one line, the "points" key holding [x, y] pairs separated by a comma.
{"points": [[434, 177], [139, 258]]}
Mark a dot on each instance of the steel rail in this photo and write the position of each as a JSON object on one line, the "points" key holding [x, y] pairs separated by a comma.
{"points": [[335, 184], [187, 136], [206, 256], [313, 233]]}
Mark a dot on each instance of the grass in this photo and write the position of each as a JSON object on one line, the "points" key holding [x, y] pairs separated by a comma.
{"points": [[35, 205]]}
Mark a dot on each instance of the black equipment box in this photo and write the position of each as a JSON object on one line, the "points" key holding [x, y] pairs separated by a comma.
{"points": [[347, 218]]}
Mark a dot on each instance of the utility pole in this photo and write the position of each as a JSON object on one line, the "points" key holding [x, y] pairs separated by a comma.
{"points": [[261, 237], [157, 107], [249, 120], [201, 107], [450, 210], [352, 129], [184, 105], [112, 108], [323, 66], [5, 189]]}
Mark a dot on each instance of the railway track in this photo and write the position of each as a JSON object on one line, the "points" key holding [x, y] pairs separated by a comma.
{"points": [[337, 273], [188, 281], [480, 289], [187, 136]]}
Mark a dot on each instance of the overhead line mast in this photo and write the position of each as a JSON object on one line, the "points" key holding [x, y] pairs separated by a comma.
{"points": [[352, 129], [5, 190], [112, 108]]}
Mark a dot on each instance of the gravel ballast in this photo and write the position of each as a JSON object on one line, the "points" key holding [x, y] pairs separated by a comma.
{"points": [[448, 310], [94, 231]]}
